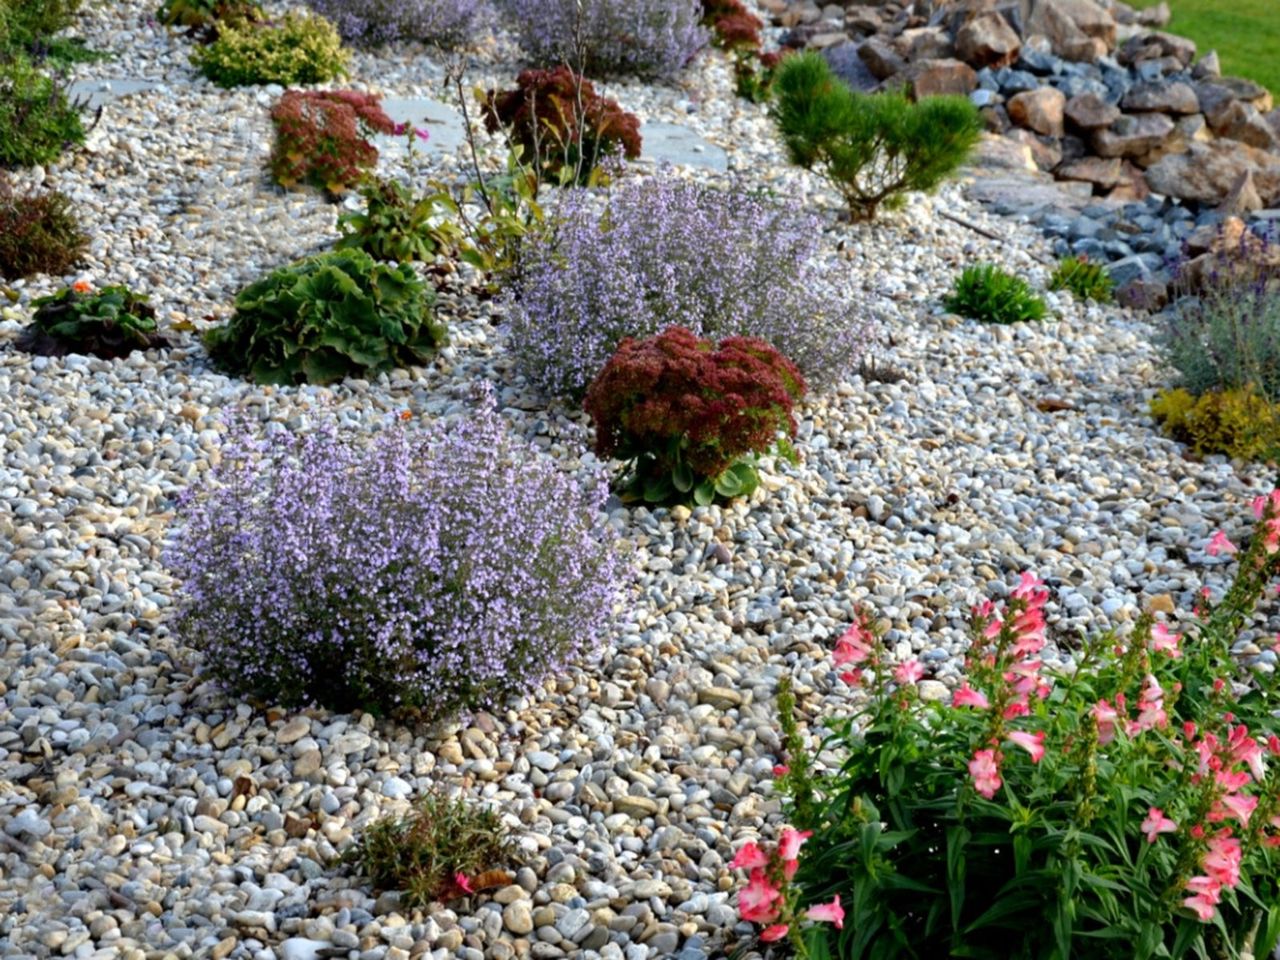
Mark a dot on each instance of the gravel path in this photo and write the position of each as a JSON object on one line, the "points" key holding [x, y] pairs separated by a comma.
{"points": [[143, 814]]}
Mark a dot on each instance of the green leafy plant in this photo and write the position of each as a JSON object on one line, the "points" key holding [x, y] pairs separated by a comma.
{"points": [[323, 138], [446, 848], [334, 315], [871, 148], [1086, 279], [297, 49], [398, 225], [36, 121], [1238, 422], [991, 295], [205, 20], [562, 125], [1123, 807], [689, 417], [38, 233], [111, 322], [29, 24]]}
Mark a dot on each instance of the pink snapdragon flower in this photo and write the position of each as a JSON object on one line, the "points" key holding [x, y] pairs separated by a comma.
{"points": [[1219, 543], [854, 646], [985, 770], [749, 857], [966, 696], [1106, 716], [1222, 859], [791, 842], [1165, 640], [1156, 824], [828, 913], [909, 671], [775, 932], [1033, 743], [757, 901], [1205, 895]]}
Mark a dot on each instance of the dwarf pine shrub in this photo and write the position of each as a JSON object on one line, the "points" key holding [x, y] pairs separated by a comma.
{"points": [[668, 253], [421, 572], [872, 148], [647, 38]]}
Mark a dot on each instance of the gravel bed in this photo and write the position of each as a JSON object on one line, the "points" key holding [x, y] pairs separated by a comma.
{"points": [[144, 814]]}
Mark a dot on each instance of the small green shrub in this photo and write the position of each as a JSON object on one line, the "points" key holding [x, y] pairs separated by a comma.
{"points": [[1085, 279], [397, 225], [27, 25], [204, 20], [872, 148], [990, 295], [689, 417], [337, 314], [445, 848], [36, 121], [38, 233], [1238, 422], [323, 138], [297, 49], [111, 322]]}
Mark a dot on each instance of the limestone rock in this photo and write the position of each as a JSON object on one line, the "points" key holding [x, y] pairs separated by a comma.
{"points": [[1088, 111], [1208, 172], [1241, 121], [931, 78], [987, 40], [1040, 110], [1105, 173], [1162, 96], [1133, 135], [881, 59], [1154, 45], [924, 43], [1076, 29], [1207, 66]]}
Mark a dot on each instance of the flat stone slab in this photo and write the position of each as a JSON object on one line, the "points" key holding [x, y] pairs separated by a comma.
{"points": [[95, 93], [442, 121], [675, 144]]}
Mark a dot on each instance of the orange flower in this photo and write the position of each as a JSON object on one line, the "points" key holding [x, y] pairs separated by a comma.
{"points": [[406, 414], [82, 286]]}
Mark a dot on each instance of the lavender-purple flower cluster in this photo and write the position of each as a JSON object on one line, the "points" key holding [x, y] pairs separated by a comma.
{"points": [[424, 570], [664, 253], [648, 38], [375, 22]]}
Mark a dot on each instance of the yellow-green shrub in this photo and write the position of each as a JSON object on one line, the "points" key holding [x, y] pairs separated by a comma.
{"points": [[295, 49], [1239, 423]]}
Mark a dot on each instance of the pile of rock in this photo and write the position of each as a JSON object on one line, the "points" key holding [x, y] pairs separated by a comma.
{"points": [[1101, 99]]}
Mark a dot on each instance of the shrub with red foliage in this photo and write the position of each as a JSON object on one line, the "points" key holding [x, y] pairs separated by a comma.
{"points": [[677, 400], [736, 27], [322, 137], [561, 123]]}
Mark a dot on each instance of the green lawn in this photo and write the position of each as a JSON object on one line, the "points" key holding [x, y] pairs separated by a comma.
{"points": [[1246, 34]]}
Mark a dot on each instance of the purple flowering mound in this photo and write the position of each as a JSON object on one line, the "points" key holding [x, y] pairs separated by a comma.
{"points": [[375, 22], [645, 38], [665, 253], [425, 571]]}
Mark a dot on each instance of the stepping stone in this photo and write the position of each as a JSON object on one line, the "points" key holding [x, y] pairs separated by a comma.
{"points": [[95, 93], [442, 121], [672, 143]]}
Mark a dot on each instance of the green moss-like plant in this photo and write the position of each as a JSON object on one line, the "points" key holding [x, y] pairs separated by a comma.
{"points": [[297, 49], [444, 849], [334, 315], [872, 148], [36, 121], [1086, 279], [111, 322], [38, 233], [1239, 423], [990, 295]]}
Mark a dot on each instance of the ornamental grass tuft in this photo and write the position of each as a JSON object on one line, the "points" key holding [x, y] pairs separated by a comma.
{"points": [[990, 295], [422, 572], [38, 233], [666, 253]]}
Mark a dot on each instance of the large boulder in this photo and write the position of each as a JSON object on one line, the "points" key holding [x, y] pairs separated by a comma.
{"points": [[1161, 96], [932, 78], [1208, 172], [1039, 110], [1133, 135], [1076, 29], [1088, 111], [987, 40]]}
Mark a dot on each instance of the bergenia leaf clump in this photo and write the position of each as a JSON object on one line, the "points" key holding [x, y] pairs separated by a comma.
{"points": [[425, 571], [689, 416], [669, 253], [1116, 802]]}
